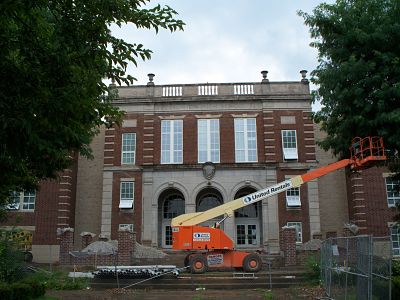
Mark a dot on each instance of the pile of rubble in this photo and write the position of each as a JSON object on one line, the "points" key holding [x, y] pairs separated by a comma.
{"points": [[147, 252]]}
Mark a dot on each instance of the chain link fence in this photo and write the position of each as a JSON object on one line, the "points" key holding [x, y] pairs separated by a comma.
{"points": [[357, 267]]}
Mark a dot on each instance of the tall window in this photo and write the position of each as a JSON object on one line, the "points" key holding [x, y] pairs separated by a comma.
{"points": [[293, 197], [395, 231], [128, 148], [126, 195], [208, 140], [392, 191], [171, 141], [245, 140], [24, 200], [289, 144], [299, 230]]}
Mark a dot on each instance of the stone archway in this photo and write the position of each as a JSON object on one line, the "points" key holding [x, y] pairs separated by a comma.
{"points": [[248, 222], [209, 198], [171, 203]]}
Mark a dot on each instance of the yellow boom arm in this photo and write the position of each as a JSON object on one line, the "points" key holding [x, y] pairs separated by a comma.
{"points": [[228, 208]]}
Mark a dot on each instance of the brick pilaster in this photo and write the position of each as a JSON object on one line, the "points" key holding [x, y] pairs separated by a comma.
{"points": [[288, 245], [126, 246], [66, 244], [358, 202]]}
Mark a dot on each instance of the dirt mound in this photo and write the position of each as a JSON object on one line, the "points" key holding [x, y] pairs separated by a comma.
{"points": [[147, 252]]}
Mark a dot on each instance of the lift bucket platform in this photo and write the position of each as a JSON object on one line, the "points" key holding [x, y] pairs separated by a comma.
{"points": [[365, 151]]}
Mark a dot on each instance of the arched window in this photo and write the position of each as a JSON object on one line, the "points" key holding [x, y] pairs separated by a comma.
{"points": [[209, 200], [171, 204], [206, 199], [174, 205], [249, 211]]}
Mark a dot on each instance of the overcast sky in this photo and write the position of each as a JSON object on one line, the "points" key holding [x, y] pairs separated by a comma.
{"points": [[227, 41]]}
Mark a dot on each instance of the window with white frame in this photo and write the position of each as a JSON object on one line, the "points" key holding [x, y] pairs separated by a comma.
{"points": [[128, 148], [245, 140], [299, 231], [126, 195], [171, 141], [293, 197], [208, 140], [392, 191], [395, 232], [128, 227], [289, 144], [24, 201]]}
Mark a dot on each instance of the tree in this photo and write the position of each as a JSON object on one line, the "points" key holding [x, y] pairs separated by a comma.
{"points": [[358, 73], [54, 56]]}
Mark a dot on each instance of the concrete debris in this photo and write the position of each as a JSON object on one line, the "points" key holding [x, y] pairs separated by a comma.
{"points": [[84, 233], [110, 247], [101, 247], [312, 245], [147, 252]]}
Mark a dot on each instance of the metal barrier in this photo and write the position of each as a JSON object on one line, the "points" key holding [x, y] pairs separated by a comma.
{"points": [[357, 267]]}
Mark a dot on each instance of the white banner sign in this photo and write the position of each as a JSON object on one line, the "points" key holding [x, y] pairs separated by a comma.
{"points": [[269, 191]]}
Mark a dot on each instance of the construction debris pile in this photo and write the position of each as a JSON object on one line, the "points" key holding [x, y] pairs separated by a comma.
{"points": [[147, 252]]}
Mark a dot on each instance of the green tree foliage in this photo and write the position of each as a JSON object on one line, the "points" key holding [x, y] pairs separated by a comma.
{"points": [[54, 56], [359, 71], [11, 258]]}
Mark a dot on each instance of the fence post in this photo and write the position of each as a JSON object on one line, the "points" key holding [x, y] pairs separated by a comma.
{"points": [[370, 253]]}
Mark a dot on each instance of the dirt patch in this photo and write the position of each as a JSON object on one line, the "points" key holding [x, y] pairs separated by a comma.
{"points": [[276, 294]]}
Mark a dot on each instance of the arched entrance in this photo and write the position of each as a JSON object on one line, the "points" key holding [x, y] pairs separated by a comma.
{"points": [[248, 222], [171, 204], [206, 199]]}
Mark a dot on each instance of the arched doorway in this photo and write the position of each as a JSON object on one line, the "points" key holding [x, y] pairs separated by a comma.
{"points": [[248, 222], [171, 204], [206, 199]]}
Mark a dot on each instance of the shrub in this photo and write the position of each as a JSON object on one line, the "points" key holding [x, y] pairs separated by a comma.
{"points": [[59, 281], [313, 269], [71, 284], [38, 288], [5, 291], [11, 259], [396, 287], [21, 291], [395, 267]]}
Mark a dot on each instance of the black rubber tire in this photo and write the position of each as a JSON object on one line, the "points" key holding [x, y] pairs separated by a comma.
{"points": [[186, 260], [252, 263], [198, 264]]}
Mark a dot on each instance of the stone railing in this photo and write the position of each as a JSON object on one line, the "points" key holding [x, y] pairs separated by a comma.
{"points": [[214, 89]]}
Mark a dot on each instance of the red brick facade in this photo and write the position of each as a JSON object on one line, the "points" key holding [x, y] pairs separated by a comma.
{"points": [[368, 205], [54, 208], [275, 106]]}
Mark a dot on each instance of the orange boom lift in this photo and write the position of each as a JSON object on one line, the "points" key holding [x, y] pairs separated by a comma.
{"points": [[218, 249]]}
